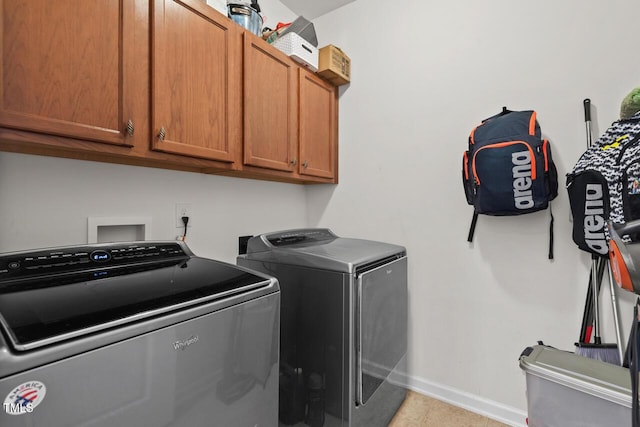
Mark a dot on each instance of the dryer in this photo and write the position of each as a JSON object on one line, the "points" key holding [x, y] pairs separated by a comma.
{"points": [[343, 325], [136, 334]]}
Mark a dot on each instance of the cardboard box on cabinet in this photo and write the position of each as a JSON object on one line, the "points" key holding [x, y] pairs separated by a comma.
{"points": [[334, 65]]}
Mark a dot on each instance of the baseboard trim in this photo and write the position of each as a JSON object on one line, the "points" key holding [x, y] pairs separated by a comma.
{"points": [[488, 408]]}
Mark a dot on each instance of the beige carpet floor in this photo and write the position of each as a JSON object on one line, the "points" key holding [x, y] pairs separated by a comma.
{"points": [[422, 411]]}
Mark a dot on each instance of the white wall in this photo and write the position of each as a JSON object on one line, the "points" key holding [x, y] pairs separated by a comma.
{"points": [[273, 11], [423, 74], [46, 202]]}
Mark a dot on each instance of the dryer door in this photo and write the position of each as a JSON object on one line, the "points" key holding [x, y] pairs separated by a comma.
{"points": [[381, 324]]}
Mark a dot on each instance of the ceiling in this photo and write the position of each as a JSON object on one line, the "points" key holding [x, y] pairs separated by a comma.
{"points": [[311, 9]]}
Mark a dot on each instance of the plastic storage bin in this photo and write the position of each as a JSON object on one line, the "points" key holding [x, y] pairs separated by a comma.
{"points": [[299, 50], [304, 29], [568, 390]]}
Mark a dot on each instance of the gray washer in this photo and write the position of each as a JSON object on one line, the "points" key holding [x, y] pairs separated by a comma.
{"points": [[140, 334], [343, 325]]}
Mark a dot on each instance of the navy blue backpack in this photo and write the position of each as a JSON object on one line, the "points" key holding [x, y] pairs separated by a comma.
{"points": [[508, 168]]}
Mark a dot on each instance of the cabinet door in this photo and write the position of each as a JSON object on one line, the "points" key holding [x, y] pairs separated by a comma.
{"points": [[196, 74], [318, 126], [66, 66], [270, 106]]}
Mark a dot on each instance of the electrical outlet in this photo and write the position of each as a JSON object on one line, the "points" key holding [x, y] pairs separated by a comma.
{"points": [[183, 209]]}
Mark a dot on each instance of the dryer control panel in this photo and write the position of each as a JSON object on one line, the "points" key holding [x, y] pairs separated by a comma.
{"points": [[304, 236]]}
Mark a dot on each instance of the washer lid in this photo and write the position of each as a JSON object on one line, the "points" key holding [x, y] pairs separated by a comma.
{"points": [[48, 304], [319, 248]]}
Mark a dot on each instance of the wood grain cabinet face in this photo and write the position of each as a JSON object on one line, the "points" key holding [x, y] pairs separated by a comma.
{"points": [[318, 126], [161, 83], [65, 68], [270, 107], [196, 75], [290, 115]]}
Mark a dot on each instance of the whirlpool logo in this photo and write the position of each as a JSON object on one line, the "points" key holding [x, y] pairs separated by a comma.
{"points": [[182, 345]]}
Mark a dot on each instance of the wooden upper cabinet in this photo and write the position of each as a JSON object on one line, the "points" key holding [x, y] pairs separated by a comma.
{"points": [[318, 126], [163, 83], [270, 106], [196, 81], [65, 68]]}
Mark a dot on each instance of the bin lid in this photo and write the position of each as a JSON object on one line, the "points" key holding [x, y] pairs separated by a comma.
{"points": [[594, 377]]}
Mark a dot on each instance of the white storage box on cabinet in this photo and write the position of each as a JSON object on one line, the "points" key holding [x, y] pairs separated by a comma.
{"points": [[299, 50], [565, 389]]}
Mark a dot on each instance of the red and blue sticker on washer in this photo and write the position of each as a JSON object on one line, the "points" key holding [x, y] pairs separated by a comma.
{"points": [[24, 398]]}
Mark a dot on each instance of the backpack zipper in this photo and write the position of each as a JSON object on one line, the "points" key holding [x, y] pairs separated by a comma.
{"points": [[466, 165], [545, 144], [625, 146], [500, 145]]}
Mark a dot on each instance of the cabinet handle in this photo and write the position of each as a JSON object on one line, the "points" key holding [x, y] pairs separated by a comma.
{"points": [[305, 164], [162, 134], [130, 127], [294, 161]]}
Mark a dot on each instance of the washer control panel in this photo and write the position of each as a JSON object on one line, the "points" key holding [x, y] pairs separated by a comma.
{"points": [[46, 261]]}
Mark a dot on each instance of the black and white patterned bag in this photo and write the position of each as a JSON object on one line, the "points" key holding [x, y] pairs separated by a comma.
{"points": [[604, 185]]}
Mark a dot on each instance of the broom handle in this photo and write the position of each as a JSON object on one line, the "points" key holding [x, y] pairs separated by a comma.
{"points": [[586, 329], [594, 289], [595, 277], [616, 319]]}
